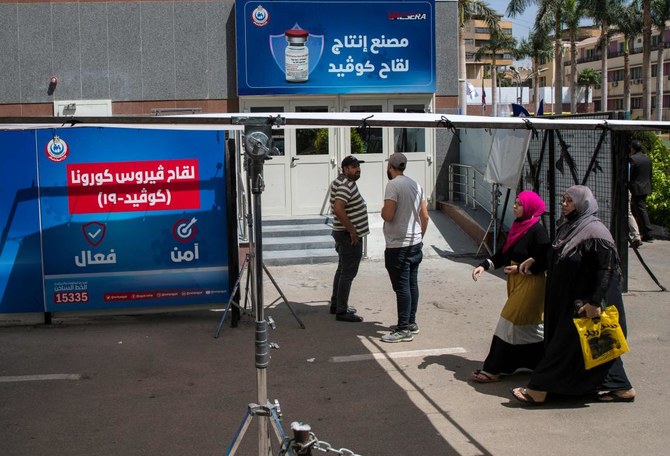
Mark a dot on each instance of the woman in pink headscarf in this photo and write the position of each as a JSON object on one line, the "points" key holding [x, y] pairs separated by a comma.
{"points": [[518, 341]]}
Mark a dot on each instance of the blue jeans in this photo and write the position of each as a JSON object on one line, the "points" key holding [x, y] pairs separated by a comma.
{"points": [[402, 265], [349, 258]]}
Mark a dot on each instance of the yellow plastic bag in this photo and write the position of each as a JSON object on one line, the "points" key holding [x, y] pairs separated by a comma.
{"points": [[601, 338]]}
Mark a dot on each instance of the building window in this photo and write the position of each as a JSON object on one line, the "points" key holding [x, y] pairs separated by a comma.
{"points": [[636, 102], [636, 73], [469, 42], [590, 53], [483, 30]]}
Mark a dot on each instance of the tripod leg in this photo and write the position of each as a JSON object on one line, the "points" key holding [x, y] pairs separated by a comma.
{"points": [[281, 293], [244, 425], [230, 300]]}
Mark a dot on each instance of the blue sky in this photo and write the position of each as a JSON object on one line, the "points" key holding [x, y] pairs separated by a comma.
{"points": [[521, 25]]}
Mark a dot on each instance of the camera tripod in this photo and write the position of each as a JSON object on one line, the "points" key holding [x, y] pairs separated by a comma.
{"points": [[236, 287]]}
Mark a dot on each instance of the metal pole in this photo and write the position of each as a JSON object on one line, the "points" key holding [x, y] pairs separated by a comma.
{"points": [[262, 346]]}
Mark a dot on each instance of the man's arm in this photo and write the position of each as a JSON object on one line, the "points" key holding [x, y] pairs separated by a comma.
{"points": [[388, 210], [423, 216]]}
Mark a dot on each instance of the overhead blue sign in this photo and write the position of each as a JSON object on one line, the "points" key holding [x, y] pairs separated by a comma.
{"points": [[286, 47]]}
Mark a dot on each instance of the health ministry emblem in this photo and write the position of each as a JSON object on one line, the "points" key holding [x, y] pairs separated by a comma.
{"points": [[260, 16], [57, 149]]}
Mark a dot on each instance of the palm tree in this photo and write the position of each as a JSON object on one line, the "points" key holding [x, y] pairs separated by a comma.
{"points": [[538, 47], [646, 59], [660, 13], [572, 14], [498, 42], [588, 78], [547, 9], [603, 13], [627, 21], [467, 10]]}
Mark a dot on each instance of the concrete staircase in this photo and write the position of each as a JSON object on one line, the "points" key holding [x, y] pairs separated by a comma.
{"points": [[298, 240]]}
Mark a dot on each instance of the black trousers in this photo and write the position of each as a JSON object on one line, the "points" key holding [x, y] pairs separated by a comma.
{"points": [[638, 205]]}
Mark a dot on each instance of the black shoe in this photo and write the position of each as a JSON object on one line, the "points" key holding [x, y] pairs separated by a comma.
{"points": [[636, 244], [648, 239], [333, 310], [349, 316]]}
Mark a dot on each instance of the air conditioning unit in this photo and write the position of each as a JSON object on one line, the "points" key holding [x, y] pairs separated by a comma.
{"points": [[615, 83]]}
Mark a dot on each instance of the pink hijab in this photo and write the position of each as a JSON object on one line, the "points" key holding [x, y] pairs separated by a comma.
{"points": [[533, 208]]}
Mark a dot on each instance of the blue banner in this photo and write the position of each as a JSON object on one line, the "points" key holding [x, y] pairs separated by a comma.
{"points": [[129, 218], [20, 254], [335, 47]]}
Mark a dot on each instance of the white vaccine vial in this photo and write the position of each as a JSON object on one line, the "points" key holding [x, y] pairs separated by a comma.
{"points": [[297, 56]]}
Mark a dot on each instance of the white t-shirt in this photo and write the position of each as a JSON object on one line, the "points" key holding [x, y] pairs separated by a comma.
{"points": [[405, 228]]}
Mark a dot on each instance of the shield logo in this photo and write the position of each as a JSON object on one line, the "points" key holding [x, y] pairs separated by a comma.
{"points": [[94, 232], [315, 44]]}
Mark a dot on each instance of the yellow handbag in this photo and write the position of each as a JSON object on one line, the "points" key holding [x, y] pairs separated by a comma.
{"points": [[602, 338]]}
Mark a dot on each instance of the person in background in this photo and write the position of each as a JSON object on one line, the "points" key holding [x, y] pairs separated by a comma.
{"points": [[640, 187], [350, 225], [583, 275], [518, 340], [405, 215]]}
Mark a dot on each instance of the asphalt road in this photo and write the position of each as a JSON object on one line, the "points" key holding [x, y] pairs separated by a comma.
{"points": [[161, 384]]}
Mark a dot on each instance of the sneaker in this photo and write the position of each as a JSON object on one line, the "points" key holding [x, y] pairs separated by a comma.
{"points": [[413, 327], [349, 316], [333, 310], [398, 336]]}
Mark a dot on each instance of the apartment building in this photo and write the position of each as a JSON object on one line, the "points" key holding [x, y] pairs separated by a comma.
{"points": [[589, 56]]}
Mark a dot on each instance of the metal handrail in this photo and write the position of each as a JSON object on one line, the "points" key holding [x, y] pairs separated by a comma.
{"points": [[466, 183]]}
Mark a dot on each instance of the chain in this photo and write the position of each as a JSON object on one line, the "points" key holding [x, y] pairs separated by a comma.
{"points": [[312, 443]]}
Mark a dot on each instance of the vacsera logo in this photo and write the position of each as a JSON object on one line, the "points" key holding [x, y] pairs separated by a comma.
{"points": [[396, 16]]}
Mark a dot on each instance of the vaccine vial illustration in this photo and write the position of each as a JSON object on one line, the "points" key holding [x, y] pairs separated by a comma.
{"points": [[297, 55]]}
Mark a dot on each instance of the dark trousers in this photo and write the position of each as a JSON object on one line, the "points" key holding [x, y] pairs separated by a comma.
{"points": [[402, 265], [638, 205], [349, 258]]}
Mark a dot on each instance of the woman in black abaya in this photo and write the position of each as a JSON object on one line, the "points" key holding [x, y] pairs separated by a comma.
{"points": [[582, 278]]}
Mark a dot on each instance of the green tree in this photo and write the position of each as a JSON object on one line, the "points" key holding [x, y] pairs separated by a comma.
{"points": [[628, 21], [538, 48], [572, 14], [660, 14], [498, 43], [603, 13], [659, 200], [468, 10], [588, 78], [548, 10]]}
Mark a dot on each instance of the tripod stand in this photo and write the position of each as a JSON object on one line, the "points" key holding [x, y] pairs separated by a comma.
{"points": [[236, 287]]}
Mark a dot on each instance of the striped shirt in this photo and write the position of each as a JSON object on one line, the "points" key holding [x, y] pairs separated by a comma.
{"points": [[354, 205]]}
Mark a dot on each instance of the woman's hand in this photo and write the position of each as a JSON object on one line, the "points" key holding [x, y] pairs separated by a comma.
{"points": [[524, 268], [511, 269], [476, 272], [589, 311]]}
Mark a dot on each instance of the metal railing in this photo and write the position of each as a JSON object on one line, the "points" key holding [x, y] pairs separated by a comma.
{"points": [[467, 184]]}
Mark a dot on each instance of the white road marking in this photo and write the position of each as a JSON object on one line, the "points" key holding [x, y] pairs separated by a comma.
{"points": [[394, 355], [39, 378]]}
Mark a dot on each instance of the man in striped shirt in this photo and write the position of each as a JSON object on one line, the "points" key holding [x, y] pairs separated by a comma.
{"points": [[350, 225]]}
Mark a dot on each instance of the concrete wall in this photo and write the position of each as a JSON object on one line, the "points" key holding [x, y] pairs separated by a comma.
{"points": [[117, 50]]}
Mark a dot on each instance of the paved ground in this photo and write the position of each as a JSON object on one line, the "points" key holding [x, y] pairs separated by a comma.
{"points": [[161, 384]]}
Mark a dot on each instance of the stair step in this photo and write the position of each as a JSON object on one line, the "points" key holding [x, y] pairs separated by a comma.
{"points": [[291, 257], [295, 230], [298, 242], [306, 220]]}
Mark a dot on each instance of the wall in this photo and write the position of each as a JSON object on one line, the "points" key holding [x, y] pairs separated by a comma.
{"points": [[124, 51]]}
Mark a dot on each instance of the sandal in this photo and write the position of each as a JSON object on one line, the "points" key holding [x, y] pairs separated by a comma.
{"points": [[524, 397], [480, 376], [617, 396]]}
